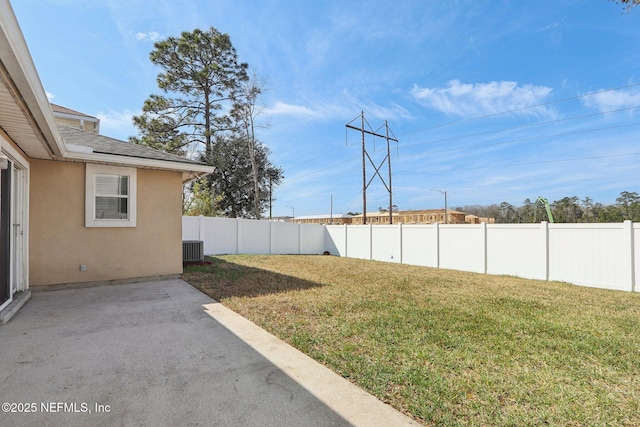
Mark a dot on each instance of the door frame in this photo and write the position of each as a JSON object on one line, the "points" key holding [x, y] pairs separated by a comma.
{"points": [[18, 224]]}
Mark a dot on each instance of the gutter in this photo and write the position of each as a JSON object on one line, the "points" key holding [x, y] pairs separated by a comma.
{"points": [[190, 171]]}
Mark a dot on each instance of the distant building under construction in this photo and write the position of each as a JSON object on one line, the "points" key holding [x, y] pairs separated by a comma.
{"points": [[336, 219], [428, 216]]}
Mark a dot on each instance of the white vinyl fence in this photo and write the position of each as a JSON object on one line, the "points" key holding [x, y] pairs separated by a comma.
{"points": [[597, 255], [247, 236]]}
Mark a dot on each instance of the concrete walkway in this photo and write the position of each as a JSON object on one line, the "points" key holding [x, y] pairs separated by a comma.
{"points": [[164, 354]]}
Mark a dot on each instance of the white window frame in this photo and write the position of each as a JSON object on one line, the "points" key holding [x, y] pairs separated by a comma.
{"points": [[92, 170]]}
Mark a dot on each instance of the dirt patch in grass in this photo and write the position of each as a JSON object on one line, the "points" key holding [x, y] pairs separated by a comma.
{"points": [[447, 347]]}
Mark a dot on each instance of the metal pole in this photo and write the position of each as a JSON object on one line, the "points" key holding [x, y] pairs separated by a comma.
{"points": [[386, 125], [445, 208], [445, 202], [331, 211], [364, 177], [270, 200]]}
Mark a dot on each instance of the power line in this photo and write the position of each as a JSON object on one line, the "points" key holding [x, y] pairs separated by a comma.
{"points": [[326, 153], [333, 165]]}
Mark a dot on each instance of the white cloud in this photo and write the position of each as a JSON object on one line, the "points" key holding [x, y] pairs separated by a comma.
{"points": [[282, 109], [117, 124], [613, 100], [373, 109], [50, 96], [152, 36], [348, 108], [552, 26], [465, 99]]}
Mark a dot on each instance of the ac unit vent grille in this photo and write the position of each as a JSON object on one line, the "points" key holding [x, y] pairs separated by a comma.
{"points": [[192, 251]]}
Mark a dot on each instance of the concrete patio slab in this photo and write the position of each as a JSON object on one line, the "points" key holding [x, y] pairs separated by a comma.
{"points": [[162, 353]]}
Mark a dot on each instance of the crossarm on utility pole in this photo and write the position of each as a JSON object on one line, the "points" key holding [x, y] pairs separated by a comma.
{"points": [[371, 133]]}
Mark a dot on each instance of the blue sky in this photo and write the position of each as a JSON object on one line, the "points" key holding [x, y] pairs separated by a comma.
{"points": [[490, 101]]}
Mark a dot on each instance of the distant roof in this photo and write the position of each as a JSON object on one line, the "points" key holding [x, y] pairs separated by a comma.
{"points": [[105, 145], [377, 214], [324, 216], [60, 109], [413, 212], [429, 211]]}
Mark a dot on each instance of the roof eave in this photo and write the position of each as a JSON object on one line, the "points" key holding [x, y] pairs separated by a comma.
{"points": [[19, 64], [189, 171]]}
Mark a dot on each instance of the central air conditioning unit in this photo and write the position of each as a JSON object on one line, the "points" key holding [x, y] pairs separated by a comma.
{"points": [[192, 251]]}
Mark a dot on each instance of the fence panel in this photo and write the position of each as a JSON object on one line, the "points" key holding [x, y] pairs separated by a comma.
{"points": [[517, 250], [335, 239], [462, 247], [191, 228], [385, 243], [220, 235], [312, 239], [636, 256], [285, 238], [419, 245], [588, 254], [359, 241], [254, 237]]}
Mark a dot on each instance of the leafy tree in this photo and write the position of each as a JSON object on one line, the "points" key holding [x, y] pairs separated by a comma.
{"points": [[160, 132], [629, 205], [507, 214], [527, 212], [232, 179], [589, 210], [567, 209], [598, 208], [610, 213], [200, 200]]}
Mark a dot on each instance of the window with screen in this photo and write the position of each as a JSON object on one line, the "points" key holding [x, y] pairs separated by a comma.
{"points": [[110, 196]]}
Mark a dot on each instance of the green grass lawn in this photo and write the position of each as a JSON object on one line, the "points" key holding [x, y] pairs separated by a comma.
{"points": [[448, 347]]}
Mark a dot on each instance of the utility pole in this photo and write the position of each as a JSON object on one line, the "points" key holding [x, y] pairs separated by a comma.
{"points": [[445, 203], [365, 156], [364, 175], [389, 160], [270, 200], [331, 211]]}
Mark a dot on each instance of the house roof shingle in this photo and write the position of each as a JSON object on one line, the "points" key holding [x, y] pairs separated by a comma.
{"points": [[105, 145]]}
